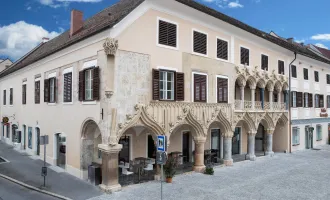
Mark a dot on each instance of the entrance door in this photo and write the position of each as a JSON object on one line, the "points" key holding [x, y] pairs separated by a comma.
{"points": [[151, 147], [215, 142], [307, 146], [236, 141], [124, 153], [185, 146], [38, 141]]}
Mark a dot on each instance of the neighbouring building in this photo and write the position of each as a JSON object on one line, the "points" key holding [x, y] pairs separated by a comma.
{"points": [[5, 63], [103, 90]]}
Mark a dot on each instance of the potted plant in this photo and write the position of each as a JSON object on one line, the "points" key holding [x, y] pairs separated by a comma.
{"points": [[169, 169]]}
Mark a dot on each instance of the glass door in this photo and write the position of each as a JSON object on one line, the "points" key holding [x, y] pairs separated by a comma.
{"points": [[215, 142], [124, 153], [185, 146], [151, 147], [236, 141]]}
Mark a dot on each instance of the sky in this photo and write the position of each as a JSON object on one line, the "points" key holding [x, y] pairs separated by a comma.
{"points": [[23, 23]]}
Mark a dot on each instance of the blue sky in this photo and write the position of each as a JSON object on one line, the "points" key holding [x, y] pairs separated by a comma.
{"points": [[24, 22]]}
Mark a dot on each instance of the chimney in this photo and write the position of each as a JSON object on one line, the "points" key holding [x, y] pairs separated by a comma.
{"points": [[44, 40], [290, 40], [76, 22]]}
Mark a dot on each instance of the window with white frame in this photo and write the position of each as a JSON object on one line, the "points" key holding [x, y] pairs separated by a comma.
{"points": [[67, 85], [317, 101], [295, 136], [306, 99], [52, 90], [166, 85], [318, 132], [89, 84], [167, 33]]}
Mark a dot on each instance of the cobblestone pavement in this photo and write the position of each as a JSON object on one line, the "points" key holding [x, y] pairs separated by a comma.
{"points": [[300, 175]]}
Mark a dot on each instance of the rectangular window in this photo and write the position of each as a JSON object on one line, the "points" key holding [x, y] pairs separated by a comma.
{"points": [[328, 79], [200, 89], [328, 101], [316, 76], [299, 99], [321, 97], [264, 62], [281, 67], [245, 56], [310, 100], [52, 89], [11, 96], [222, 49], [4, 97], [305, 74], [8, 131], [30, 137], [318, 132], [37, 92], [167, 34], [24, 93], [222, 85], [294, 99], [166, 85], [295, 136], [200, 42], [67, 89], [306, 100], [89, 85], [275, 97], [293, 71], [317, 100]]}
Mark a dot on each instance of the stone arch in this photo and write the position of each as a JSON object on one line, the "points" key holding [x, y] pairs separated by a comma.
{"points": [[278, 86], [196, 128], [261, 83], [141, 118], [285, 86], [267, 122], [270, 85], [283, 119], [252, 82], [222, 122], [91, 137], [247, 121], [241, 81]]}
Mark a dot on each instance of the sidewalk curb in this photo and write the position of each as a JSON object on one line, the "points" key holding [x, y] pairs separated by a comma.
{"points": [[34, 188]]}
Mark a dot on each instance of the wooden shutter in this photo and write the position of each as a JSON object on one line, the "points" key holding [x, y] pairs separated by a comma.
{"points": [[155, 84], [55, 90], [310, 100], [96, 84], [46, 90], [67, 93], [222, 87], [37, 92], [264, 62], [321, 100], [4, 97], [200, 43], [305, 74], [203, 89], [316, 76], [81, 85], [328, 78], [24, 94], [299, 99], [11, 96], [245, 56], [328, 101], [222, 49], [291, 100], [294, 71], [167, 34], [179, 87], [280, 67], [200, 90]]}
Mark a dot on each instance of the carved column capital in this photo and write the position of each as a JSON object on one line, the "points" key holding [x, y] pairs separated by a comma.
{"points": [[252, 133], [199, 140], [228, 134], [109, 149], [270, 131], [110, 46]]}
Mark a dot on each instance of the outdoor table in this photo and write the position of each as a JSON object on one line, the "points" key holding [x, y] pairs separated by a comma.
{"points": [[139, 166]]}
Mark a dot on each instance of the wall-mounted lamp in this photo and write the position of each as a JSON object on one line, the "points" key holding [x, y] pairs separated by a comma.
{"points": [[108, 94]]}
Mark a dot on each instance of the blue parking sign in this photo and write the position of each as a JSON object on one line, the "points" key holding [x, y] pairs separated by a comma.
{"points": [[161, 143]]}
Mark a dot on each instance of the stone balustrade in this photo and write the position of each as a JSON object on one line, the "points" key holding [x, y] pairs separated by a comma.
{"points": [[275, 106]]}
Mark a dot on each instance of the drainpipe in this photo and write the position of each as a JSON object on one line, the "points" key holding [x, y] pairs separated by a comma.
{"points": [[289, 99]]}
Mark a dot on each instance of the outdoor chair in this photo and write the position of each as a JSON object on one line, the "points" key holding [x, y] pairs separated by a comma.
{"points": [[126, 173]]}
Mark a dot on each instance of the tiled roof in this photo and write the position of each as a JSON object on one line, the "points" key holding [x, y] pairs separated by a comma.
{"points": [[112, 15], [325, 52], [99, 22]]}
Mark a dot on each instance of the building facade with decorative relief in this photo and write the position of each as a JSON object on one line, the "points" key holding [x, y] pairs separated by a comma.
{"points": [[105, 89]]}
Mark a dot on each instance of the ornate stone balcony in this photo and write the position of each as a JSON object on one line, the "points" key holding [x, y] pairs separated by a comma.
{"points": [[275, 106]]}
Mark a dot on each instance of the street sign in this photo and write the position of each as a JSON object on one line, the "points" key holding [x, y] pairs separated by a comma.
{"points": [[44, 140], [161, 158], [44, 171], [161, 143]]}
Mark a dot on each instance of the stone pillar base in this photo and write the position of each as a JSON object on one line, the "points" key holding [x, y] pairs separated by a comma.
{"points": [[199, 169], [110, 189], [269, 153], [228, 162], [250, 157]]}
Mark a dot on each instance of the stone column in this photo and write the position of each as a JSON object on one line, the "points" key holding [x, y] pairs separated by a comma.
{"points": [[221, 147], [279, 100], [227, 148], [269, 147], [251, 146], [252, 98], [110, 167], [242, 97], [287, 99], [262, 97], [271, 99], [199, 154]]}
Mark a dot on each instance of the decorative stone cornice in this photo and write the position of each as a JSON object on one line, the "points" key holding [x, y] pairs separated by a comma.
{"points": [[110, 46], [199, 140], [270, 131]]}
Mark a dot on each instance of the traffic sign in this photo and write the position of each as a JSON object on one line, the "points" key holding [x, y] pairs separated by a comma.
{"points": [[161, 158], [161, 143], [44, 171], [44, 140]]}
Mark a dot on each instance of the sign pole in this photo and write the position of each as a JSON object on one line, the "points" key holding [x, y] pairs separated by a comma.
{"points": [[45, 164], [161, 182]]}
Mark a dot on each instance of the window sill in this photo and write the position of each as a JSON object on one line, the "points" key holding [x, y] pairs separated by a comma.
{"points": [[319, 140], [51, 104], [89, 103], [220, 59], [11, 105], [295, 144], [242, 65], [67, 103], [199, 54], [167, 47]]}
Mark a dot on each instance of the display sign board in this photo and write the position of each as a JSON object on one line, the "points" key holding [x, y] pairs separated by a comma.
{"points": [[161, 158], [161, 143], [44, 171], [44, 140]]}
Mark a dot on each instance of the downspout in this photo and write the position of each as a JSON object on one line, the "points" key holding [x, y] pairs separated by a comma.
{"points": [[289, 101]]}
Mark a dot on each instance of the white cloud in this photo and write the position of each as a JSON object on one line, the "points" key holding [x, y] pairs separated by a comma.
{"points": [[64, 3], [321, 37], [19, 38], [321, 45], [300, 41], [235, 4]]}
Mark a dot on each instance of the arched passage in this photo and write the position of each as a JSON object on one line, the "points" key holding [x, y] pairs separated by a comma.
{"points": [[281, 135], [90, 139]]}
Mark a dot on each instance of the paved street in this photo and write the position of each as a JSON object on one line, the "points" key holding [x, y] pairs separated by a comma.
{"points": [[12, 191], [21, 167], [301, 175]]}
